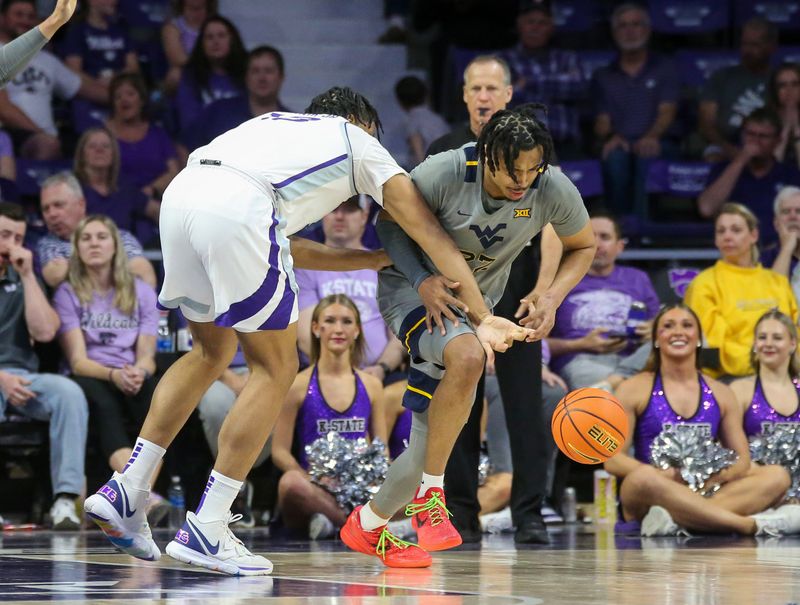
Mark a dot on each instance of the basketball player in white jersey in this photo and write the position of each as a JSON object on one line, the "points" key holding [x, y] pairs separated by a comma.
{"points": [[225, 223]]}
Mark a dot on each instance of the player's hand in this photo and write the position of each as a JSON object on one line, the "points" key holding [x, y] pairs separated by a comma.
{"points": [[498, 334], [537, 313], [15, 389], [596, 342], [21, 259], [437, 296], [64, 10]]}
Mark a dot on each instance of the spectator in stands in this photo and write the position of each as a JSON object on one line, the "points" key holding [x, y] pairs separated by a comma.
{"points": [[8, 163], [733, 93], [26, 102], [636, 100], [344, 228], [108, 332], [97, 167], [753, 177], [28, 318], [97, 46], [147, 156], [63, 207], [782, 256], [487, 89], [589, 341], [730, 296], [215, 70], [423, 125], [783, 96], [543, 74], [179, 34], [673, 391], [263, 82], [331, 395]]}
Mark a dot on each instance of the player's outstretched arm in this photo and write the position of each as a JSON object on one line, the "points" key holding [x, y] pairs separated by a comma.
{"points": [[312, 255], [15, 55], [62, 13]]}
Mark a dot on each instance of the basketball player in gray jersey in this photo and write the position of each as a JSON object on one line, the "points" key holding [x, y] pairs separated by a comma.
{"points": [[491, 198]]}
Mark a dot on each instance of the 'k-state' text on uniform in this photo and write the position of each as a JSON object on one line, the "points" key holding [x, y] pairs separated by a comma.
{"points": [[226, 217], [760, 412]]}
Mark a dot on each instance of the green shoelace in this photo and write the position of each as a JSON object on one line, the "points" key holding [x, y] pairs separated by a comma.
{"points": [[387, 536], [433, 504]]}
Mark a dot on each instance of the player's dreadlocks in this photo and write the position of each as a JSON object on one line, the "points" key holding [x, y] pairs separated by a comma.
{"points": [[511, 131], [346, 103]]}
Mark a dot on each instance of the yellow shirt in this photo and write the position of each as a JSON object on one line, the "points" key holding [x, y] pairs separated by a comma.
{"points": [[729, 300]]}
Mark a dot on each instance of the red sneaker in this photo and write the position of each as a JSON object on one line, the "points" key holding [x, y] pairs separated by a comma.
{"points": [[391, 550], [431, 519]]}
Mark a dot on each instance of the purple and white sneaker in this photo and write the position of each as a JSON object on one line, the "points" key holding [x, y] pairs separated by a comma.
{"points": [[120, 511], [213, 545]]}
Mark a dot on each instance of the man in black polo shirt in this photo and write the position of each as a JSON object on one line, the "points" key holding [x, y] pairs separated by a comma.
{"points": [[26, 316], [487, 90]]}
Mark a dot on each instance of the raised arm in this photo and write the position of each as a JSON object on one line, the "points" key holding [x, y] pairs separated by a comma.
{"points": [[40, 318], [61, 14]]}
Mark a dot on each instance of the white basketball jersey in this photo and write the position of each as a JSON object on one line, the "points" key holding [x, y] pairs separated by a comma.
{"points": [[313, 163]]}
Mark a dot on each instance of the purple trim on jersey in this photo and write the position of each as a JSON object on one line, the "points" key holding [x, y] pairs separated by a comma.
{"points": [[659, 415], [251, 305], [316, 418], [760, 412], [209, 484], [279, 318], [401, 433], [308, 171]]}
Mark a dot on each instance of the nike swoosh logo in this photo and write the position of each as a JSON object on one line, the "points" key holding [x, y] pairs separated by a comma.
{"points": [[126, 507], [211, 549], [458, 212]]}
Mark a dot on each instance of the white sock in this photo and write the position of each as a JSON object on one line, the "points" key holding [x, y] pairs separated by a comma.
{"points": [[429, 481], [217, 498], [370, 521], [143, 462]]}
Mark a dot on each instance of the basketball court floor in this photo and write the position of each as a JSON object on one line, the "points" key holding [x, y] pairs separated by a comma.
{"points": [[584, 565]]}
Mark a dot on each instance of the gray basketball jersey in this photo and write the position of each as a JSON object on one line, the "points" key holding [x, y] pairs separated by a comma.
{"points": [[490, 233]]}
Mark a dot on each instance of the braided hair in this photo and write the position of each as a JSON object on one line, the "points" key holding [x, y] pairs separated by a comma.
{"points": [[347, 103], [511, 131]]}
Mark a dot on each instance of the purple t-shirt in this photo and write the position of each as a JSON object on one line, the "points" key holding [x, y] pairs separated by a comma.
{"points": [[758, 194], [191, 99], [602, 302], [110, 335], [144, 161], [102, 50], [123, 205], [362, 287], [632, 101]]}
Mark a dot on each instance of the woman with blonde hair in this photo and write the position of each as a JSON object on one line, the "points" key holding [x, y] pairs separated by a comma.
{"points": [[730, 296], [108, 332], [772, 395], [330, 395]]}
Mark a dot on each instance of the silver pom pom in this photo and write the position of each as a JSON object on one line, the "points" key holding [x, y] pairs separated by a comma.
{"points": [[352, 470], [697, 456], [779, 443]]}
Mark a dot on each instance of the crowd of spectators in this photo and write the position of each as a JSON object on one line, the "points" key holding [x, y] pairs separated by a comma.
{"points": [[110, 135]]}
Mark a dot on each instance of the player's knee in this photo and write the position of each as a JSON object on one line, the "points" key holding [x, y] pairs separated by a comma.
{"points": [[645, 480], [465, 356]]}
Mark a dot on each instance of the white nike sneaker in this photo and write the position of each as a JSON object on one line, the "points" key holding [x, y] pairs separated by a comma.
{"points": [[213, 545], [120, 511], [497, 523], [658, 522], [783, 521]]}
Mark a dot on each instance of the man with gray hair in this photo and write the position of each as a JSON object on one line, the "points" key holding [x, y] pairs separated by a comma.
{"points": [[782, 256], [636, 100], [63, 207], [487, 89]]}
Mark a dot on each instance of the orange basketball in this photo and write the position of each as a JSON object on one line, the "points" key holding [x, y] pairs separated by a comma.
{"points": [[589, 425]]}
